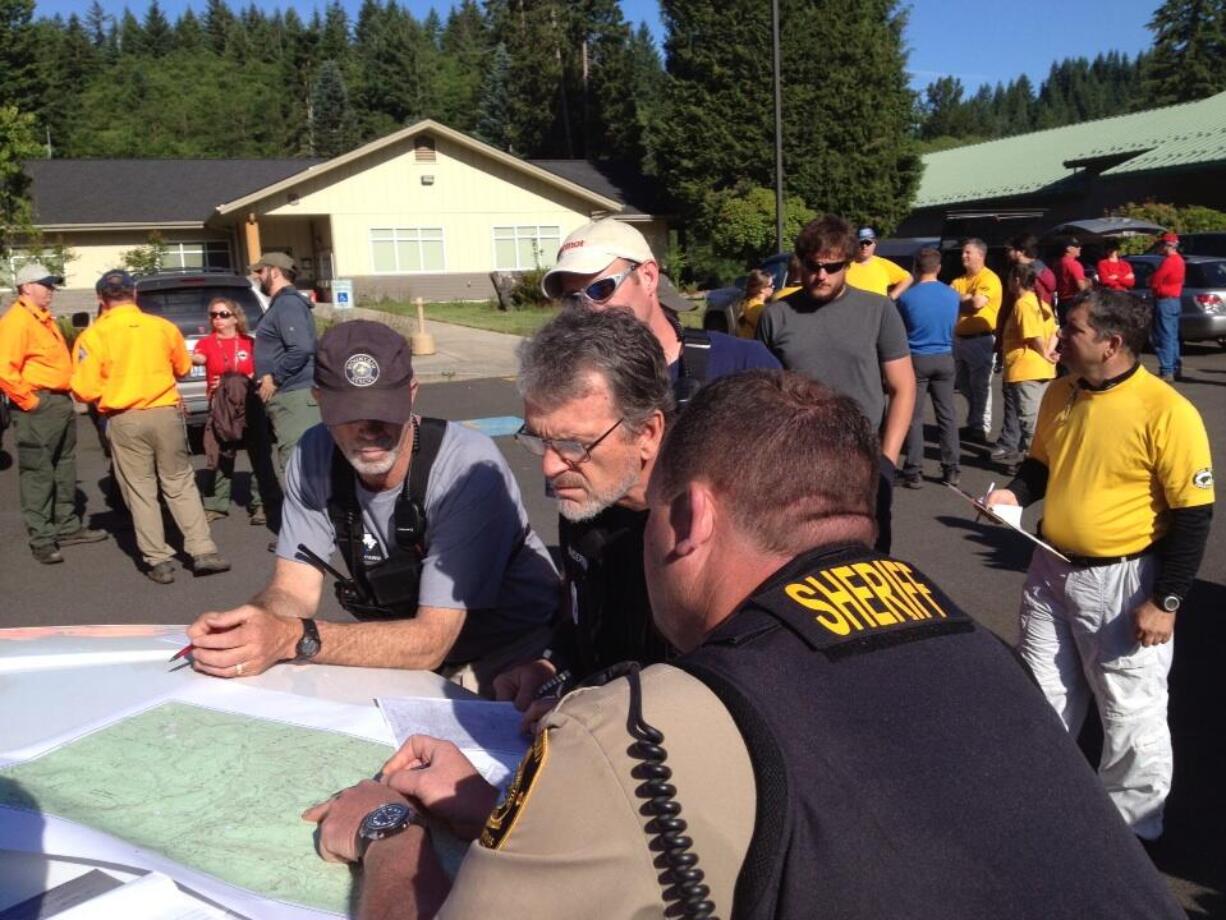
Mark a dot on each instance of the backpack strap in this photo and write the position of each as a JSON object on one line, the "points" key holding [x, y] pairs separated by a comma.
{"points": [[410, 515], [693, 364], [346, 517]]}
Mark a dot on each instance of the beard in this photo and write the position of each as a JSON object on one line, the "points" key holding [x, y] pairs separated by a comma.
{"points": [[596, 500], [368, 467]]}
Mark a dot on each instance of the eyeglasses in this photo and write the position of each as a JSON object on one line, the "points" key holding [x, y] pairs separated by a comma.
{"points": [[868, 242], [568, 449], [220, 314], [830, 268], [599, 290]]}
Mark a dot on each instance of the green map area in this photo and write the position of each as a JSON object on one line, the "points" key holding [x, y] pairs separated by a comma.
{"points": [[218, 792]]}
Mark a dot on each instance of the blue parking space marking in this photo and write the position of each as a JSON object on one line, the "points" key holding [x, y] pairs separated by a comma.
{"points": [[496, 427]]}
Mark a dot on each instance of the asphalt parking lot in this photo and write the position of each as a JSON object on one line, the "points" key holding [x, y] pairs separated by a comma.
{"points": [[979, 565]]}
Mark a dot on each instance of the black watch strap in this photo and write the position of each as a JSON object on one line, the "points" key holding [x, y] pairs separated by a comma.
{"points": [[309, 645]]}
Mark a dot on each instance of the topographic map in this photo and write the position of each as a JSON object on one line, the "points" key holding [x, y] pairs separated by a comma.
{"points": [[219, 792]]}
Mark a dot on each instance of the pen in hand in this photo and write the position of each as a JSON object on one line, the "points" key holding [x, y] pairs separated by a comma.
{"points": [[181, 653], [984, 501]]}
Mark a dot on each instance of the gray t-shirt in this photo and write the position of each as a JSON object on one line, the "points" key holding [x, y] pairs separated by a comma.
{"points": [[842, 343], [477, 556]]}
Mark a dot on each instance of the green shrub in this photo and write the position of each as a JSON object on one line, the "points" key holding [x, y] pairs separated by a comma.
{"points": [[1190, 218], [527, 292]]}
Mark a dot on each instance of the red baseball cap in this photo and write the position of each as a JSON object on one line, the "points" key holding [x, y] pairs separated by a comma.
{"points": [[1170, 237]]}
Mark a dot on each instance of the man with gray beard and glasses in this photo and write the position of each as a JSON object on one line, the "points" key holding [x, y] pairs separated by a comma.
{"points": [[596, 395], [445, 572]]}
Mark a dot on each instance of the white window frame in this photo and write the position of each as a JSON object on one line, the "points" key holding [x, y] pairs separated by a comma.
{"points": [[521, 232], [16, 259], [177, 249], [396, 239]]}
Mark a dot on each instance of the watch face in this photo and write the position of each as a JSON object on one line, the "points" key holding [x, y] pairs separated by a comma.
{"points": [[308, 647], [1170, 603], [391, 816]]}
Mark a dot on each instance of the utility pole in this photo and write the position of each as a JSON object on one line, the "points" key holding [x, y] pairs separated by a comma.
{"points": [[778, 131]]}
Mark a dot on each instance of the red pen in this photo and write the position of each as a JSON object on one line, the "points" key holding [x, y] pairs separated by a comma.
{"points": [[181, 652]]}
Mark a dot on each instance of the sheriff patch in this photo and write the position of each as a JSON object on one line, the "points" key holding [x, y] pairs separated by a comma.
{"points": [[502, 819], [1203, 479], [862, 606]]}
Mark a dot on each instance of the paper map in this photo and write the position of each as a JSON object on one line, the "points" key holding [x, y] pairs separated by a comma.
{"points": [[218, 792]]}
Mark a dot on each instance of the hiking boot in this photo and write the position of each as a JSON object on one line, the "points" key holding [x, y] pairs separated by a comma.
{"points": [[210, 515], [209, 564], [258, 517], [973, 435], [47, 553], [163, 573], [913, 481], [949, 476], [82, 535]]}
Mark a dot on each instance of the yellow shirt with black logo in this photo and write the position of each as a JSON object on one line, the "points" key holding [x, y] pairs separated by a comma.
{"points": [[1119, 459], [876, 274], [129, 360], [1029, 319], [987, 283]]}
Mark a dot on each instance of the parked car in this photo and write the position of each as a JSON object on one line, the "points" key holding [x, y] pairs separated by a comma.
{"points": [[1203, 305], [1203, 244], [183, 298]]}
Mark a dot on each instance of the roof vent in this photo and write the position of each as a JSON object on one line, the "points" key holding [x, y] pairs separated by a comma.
{"points": [[423, 149]]}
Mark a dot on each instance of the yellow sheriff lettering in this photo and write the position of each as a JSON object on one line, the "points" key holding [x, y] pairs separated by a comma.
{"points": [[875, 616], [879, 582], [920, 589], [839, 598], [831, 618]]}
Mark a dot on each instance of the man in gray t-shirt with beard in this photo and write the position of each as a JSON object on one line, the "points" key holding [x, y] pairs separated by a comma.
{"points": [[848, 339], [487, 588]]}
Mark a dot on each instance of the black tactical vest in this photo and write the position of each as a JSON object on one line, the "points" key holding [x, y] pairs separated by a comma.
{"points": [[906, 766]]}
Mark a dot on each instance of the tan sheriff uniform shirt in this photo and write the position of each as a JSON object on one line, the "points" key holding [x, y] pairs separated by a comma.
{"points": [[569, 840]]}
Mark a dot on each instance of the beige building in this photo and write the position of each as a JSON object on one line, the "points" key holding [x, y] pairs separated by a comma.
{"points": [[426, 211]]}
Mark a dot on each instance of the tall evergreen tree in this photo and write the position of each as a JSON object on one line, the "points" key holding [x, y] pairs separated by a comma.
{"points": [[1189, 54], [462, 64], [217, 22], [159, 36], [97, 21], [330, 114], [189, 34], [20, 84], [494, 110], [131, 35]]}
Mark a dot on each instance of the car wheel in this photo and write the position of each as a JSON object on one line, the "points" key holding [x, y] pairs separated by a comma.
{"points": [[1222, 342]]}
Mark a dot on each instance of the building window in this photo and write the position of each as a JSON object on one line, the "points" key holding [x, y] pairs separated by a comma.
{"points": [[211, 254], [525, 248], [397, 250]]}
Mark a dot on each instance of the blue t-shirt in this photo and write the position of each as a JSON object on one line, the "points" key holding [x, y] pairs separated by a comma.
{"points": [[730, 354], [929, 311]]}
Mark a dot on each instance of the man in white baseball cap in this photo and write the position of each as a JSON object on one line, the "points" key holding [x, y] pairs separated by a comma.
{"points": [[607, 264]]}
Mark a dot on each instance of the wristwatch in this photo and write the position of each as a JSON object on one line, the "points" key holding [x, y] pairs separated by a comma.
{"points": [[309, 645], [1170, 602], [385, 821]]}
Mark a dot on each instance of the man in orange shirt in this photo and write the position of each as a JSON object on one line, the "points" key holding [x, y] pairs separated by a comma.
{"points": [[34, 372], [127, 363]]}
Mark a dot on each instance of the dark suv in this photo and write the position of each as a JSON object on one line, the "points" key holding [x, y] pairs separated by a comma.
{"points": [[183, 298]]}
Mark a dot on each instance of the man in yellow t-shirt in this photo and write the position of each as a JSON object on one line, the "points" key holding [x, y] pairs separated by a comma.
{"points": [[1030, 362], [127, 362], [871, 272], [979, 296], [1123, 461]]}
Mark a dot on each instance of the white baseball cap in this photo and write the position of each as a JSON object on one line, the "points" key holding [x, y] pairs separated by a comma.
{"points": [[37, 273], [593, 246]]}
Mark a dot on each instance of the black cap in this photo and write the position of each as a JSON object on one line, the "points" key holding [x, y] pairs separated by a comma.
{"points": [[115, 283], [363, 370]]}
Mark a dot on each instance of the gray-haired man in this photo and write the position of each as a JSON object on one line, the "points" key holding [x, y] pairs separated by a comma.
{"points": [[596, 395]]}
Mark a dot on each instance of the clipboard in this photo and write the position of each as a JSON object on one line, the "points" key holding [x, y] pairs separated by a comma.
{"points": [[984, 510]]}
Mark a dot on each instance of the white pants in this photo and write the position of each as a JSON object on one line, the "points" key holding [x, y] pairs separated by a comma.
{"points": [[1078, 638]]}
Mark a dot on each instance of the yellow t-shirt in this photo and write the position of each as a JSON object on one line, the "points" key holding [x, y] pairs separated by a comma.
{"points": [[747, 322], [987, 283], [129, 360], [877, 275], [1118, 460], [1028, 320]]}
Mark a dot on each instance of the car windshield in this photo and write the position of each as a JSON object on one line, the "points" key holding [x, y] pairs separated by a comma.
{"points": [[187, 307], [1207, 275]]}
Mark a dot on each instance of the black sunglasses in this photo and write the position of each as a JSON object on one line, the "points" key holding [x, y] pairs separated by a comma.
{"points": [[830, 268], [868, 242], [221, 314]]}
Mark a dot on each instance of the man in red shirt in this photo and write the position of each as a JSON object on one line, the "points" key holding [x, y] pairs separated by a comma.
{"points": [[1070, 276], [1167, 284], [1113, 272]]}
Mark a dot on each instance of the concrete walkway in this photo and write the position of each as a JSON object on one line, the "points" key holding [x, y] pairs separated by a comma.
{"points": [[462, 353]]}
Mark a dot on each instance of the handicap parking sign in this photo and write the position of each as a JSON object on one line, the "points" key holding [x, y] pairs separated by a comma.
{"points": [[342, 293]]}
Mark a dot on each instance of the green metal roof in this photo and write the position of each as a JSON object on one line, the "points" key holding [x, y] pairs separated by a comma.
{"points": [[1179, 135]]}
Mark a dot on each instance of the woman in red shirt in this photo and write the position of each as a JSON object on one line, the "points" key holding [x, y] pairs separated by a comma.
{"points": [[229, 348], [1114, 272]]}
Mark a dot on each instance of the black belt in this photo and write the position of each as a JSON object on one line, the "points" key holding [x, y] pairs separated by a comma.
{"points": [[1093, 561], [974, 335]]}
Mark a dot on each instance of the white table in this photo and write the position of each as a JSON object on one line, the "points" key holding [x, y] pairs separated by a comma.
{"points": [[54, 680]]}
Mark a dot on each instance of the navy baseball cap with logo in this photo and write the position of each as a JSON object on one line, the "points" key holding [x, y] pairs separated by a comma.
{"points": [[115, 283], [363, 370]]}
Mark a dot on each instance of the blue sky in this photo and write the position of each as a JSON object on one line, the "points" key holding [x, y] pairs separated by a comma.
{"points": [[997, 43]]}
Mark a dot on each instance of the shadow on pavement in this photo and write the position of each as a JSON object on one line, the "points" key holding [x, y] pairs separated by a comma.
{"points": [[1002, 549]]}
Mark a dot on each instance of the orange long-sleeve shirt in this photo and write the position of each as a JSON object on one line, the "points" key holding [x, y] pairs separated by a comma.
{"points": [[129, 360], [33, 354]]}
